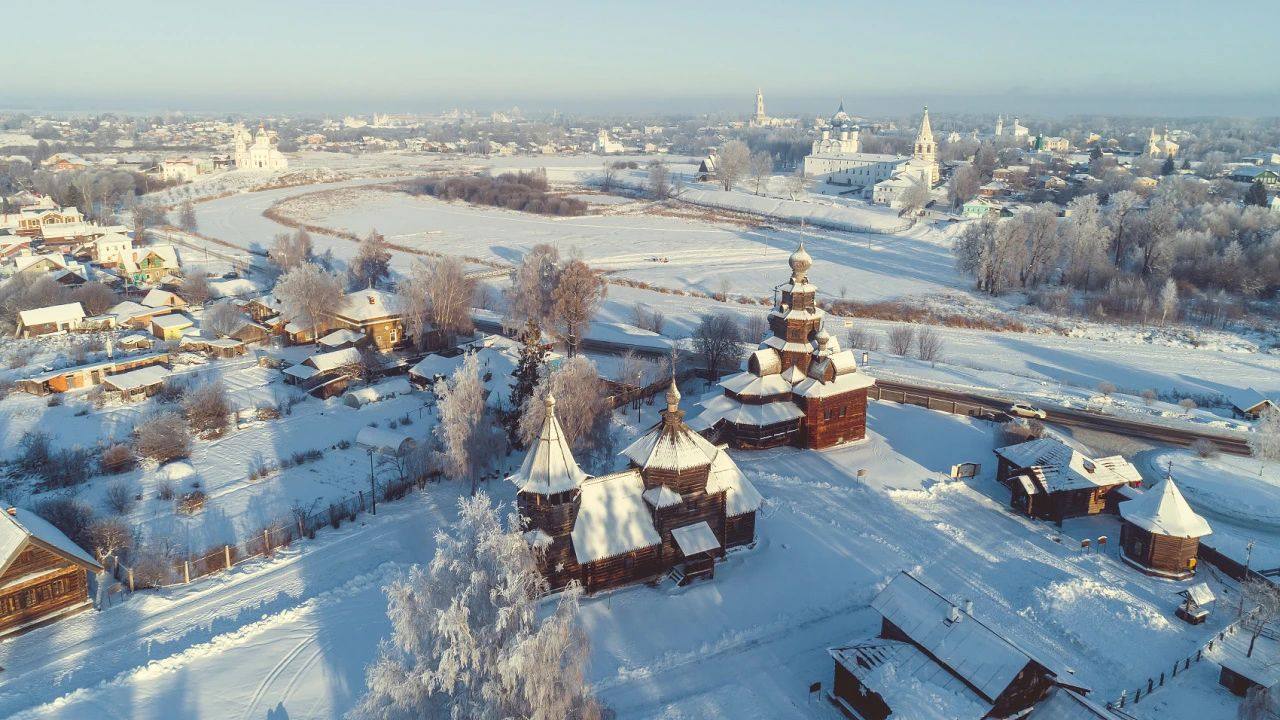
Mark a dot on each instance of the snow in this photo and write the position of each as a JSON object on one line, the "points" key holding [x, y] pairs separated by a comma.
{"points": [[549, 467], [66, 313], [365, 305], [137, 379], [1162, 510], [22, 524], [384, 441], [661, 496], [695, 538], [849, 381], [740, 495], [909, 681], [1061, 467], [613, 518]]}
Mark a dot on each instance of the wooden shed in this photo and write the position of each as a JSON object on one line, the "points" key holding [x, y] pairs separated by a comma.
{"points": [[1160, 533], [1050, 480], [43, 575]]}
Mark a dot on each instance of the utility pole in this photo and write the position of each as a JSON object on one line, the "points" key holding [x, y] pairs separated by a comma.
{"points": [[373, 487], [1248, 556]]}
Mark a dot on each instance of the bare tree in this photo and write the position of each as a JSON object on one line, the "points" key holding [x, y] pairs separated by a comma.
{"points": [[187, 217], [796, 182], [716, 339], [578, 294], [1187, 405], [916, 197], [221, 319], [533, 286], [732, 163], [95, 297], [1260, 602], [372, 263], [195, 289], [1106, 388], [754, 327], [648, 318], [964, 185], [928, 345], [860, 339], [164, 437], [760, 168], [1264, 441], [659, 180], [1168, 300], [208, 408], [310, 295], [290, 250], [608, 176], [437, 296], [1260, 703], [901, 338]]}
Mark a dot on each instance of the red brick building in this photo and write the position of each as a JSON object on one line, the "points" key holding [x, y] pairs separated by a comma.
{"points": [[799, 388]]}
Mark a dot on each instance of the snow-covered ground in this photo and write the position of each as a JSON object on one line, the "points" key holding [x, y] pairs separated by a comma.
{"points": [[289, 637]]}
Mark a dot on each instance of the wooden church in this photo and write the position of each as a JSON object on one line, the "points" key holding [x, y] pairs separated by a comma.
{"points": [[677, 509], [1160, 533], [43, 574], [799, 387]]}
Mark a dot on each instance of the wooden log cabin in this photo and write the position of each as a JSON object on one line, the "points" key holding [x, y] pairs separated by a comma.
{"points": [[1160, 533], [799, 387], [1048, 479], [681, 505], [934, 658], [83, 376], [43, 575]]}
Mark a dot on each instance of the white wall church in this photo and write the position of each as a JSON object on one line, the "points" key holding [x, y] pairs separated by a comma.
{"points": [[836, 157], [258, 152]]}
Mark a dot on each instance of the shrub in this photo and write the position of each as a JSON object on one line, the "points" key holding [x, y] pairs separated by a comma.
{"points": [[1148, 396], [68, 468], [172, 391], [35, 452], [343, 444], [207, 408], [153, 565], [164, 490], [164, 437], [928, 345], [73, 517], [1204, 448], [901, 338], [117, 458], [55, 400], [1016, 431], [111, 538], [191, 503], [119, 498], [1106, 388]]}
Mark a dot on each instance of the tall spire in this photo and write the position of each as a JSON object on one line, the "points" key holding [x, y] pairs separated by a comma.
{"points": [[926, 130], [549, 467]]}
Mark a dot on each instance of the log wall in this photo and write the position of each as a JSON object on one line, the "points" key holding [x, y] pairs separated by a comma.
{"points": [[740, 530], [834, 420]]}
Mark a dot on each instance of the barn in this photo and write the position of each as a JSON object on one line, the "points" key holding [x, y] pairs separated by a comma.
{"points": [[1050, 480], [43, 574], [1160, 533]]}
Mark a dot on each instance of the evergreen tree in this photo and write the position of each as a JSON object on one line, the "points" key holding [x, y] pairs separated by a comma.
{"points": [[1095, 153], [1186, 164], [528, 373], [1168, 167], [1257, 194]]}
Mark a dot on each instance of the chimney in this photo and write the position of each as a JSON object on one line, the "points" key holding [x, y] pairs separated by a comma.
{"points": [[110, 349], [372, 300], [968, 607], [953, 615]]}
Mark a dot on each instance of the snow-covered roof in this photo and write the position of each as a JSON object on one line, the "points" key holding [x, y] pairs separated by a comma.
{"points": [[162, 298], [23, 525], [434, 365], [722, 407], [813, 388], [366, 305], [767, 360], [1162, 510], [373, 393], [1060, 467], [964, 644], [68, 312], [549, 467], [137, 379], [341, 336], [1067, 704], [22, 262], [324, 362], [746, 383], [613, 518], [671, 446], [1262, 667], [781, 345], [1200, 594], [1249, 399], [661, 496], [740, 495], [383, 440], [175, 321], [910, 682], [695, 538]]}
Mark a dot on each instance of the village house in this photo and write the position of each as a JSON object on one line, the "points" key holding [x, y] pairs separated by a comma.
{"points": [[171, 327], [129, 314], [49, 320], [1160, 533], [679, 507], [326, 374], [213, 347], [374, 313], [1048, 479], [157, 298], [149, 264], [88, 375], [1249, 404], [138, 384], [799, 387], [111, 249], [43, 575], [934, 658]]}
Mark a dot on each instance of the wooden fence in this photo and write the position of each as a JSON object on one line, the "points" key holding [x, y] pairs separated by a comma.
{"points": [[1180, 665], [924, 400], [180, 570]]}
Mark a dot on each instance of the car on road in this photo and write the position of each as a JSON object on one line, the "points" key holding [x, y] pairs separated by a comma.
{"points": [[1023, 410]]}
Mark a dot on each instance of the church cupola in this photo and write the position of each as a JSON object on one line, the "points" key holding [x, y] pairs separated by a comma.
{"points": [[800, 262]]}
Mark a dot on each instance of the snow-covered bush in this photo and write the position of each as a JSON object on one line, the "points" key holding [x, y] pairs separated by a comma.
{"points": [[119, 498], [117, 458], [207, 408], [1204, 448], [164, 437]]}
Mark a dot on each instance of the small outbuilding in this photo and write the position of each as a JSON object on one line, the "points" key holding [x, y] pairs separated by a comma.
{"points": [[386, 442], [1160, 533], [1250, 404], [1050, 480], [50, 320], [171, 327], [44, 576]]}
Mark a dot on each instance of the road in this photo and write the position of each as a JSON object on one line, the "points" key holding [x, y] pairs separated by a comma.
{"points": [[964, 402]]}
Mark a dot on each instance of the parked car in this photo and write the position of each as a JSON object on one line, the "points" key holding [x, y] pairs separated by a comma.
{"points": [[1024, 410]]}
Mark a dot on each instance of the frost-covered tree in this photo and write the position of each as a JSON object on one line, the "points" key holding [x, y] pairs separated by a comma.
{"points": [[437, 296], [1168, 300], [1121, 211], [289, 250], [466, 640], [659, 180], [796, 182], [527, 375], [372, 264], [964, 185], [195, 289], [1264, 441], [533, 286], [221, 319], [187, 217], [732, 163], [309, 295], [582, 407], [466, 430], [1085, 239], [760, 168], [577, 296], [1256, 194]]}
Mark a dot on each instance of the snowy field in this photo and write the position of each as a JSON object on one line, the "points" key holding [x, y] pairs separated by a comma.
{"points": [[289, 637]]}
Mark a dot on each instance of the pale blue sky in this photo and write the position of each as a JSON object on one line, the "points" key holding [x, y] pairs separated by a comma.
{"points": [[1170, 57]]}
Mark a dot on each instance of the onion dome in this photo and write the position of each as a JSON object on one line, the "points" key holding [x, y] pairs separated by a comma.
{"points": [[800, 262], [673, 397]]}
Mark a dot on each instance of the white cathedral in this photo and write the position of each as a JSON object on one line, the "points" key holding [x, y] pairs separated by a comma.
{"points": [[259, 151], [836, 157]]}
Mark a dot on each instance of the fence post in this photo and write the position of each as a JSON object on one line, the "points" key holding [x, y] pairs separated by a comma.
{"points": [[226, 555], [130, 579], [361, 494], [186, 572], [266, 541]]}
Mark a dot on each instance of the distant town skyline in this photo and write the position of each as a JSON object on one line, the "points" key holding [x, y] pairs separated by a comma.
{"points": [[1167, 58]]}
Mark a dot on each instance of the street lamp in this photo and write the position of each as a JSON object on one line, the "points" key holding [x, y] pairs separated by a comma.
{"points": [[373, 486]]}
